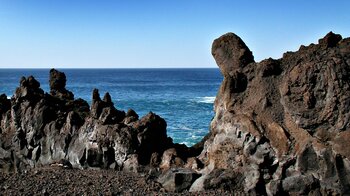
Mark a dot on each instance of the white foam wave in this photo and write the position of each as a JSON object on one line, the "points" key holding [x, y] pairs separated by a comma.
{"points": [[206, 99], [185, 128], [187, 144], [181, 127]]}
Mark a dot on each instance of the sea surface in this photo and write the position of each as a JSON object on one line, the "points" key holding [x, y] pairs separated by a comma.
{"points": [[183, 97]]}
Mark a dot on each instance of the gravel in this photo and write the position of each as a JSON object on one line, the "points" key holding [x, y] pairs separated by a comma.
{"points": [[61, 181]]}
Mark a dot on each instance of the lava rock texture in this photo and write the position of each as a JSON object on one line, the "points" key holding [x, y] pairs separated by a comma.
{"points": [[280, 126], [39, 129]]}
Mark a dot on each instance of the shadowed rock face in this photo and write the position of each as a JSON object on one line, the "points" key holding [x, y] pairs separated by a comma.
{"points": [[58, 85], [281, 126]]}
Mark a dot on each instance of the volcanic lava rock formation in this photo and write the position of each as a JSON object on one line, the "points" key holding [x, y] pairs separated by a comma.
{"points": [[280, 127], [38, 129]]}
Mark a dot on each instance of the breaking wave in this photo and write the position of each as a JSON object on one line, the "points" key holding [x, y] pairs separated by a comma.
{"points": [[206, 99]]}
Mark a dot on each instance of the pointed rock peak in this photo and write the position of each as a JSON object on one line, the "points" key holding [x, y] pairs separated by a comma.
{"points": [[32, 82], [30, 89], [330, 40], [150, 115], [132, 113], [231, 53], [57, 80], [95, 96], [29, 82], [22, 81], [107, 98], [152, 118], [58, 85]]}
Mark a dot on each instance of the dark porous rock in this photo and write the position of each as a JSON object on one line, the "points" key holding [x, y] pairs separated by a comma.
{"points": [[108, 99], [270, 67], [304, 185], [96, 104], [155, 159], [177, 180], [58, 85], [104, 110], [330, 40], [170, 159], [226, 180], [132, 113], [231, 53], [151, 135], [57, 80], [131, 163], [5, 104], [281, 126], [131, 116], [80, 106], [39, 129], [29, 90]]}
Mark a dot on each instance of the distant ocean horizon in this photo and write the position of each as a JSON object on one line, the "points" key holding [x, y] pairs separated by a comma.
{"points": [[182, 96]]}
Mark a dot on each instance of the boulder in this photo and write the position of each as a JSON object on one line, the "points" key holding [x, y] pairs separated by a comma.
{"points": [[170, 159], [231, 53], [177, 180], [131, 164], [151, 136]]}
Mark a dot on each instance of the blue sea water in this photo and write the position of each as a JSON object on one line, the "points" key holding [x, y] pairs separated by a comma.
{"points": [[183, 97]]}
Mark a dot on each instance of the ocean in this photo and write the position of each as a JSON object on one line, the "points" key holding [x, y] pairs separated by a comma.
{"points": [[183, 97]]}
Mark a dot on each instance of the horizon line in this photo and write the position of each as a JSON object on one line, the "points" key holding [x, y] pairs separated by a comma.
{"points": [[110, 67]]}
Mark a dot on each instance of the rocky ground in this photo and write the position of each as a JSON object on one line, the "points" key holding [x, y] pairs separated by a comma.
{"points": [[54, 180]]}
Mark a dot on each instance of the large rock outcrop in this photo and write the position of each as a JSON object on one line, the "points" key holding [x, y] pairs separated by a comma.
{"points": [[281, 126], [38, 129]]}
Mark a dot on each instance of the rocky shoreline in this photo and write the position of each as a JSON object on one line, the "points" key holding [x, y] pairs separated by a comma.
{"points": [[280, 127]]}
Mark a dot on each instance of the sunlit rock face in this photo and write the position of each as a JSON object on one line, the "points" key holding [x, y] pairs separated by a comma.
{"points": [[281, 126]]}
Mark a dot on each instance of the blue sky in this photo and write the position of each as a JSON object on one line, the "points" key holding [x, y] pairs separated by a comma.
{"points": [[177, 33]]}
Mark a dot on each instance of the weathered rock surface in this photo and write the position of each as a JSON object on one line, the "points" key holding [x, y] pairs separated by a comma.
{"points": [[58, 85], [281, 126], [177, 180], [39, 129]]}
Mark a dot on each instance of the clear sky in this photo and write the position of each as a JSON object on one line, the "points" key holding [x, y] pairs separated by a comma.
{"points": [[167, 33]]}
